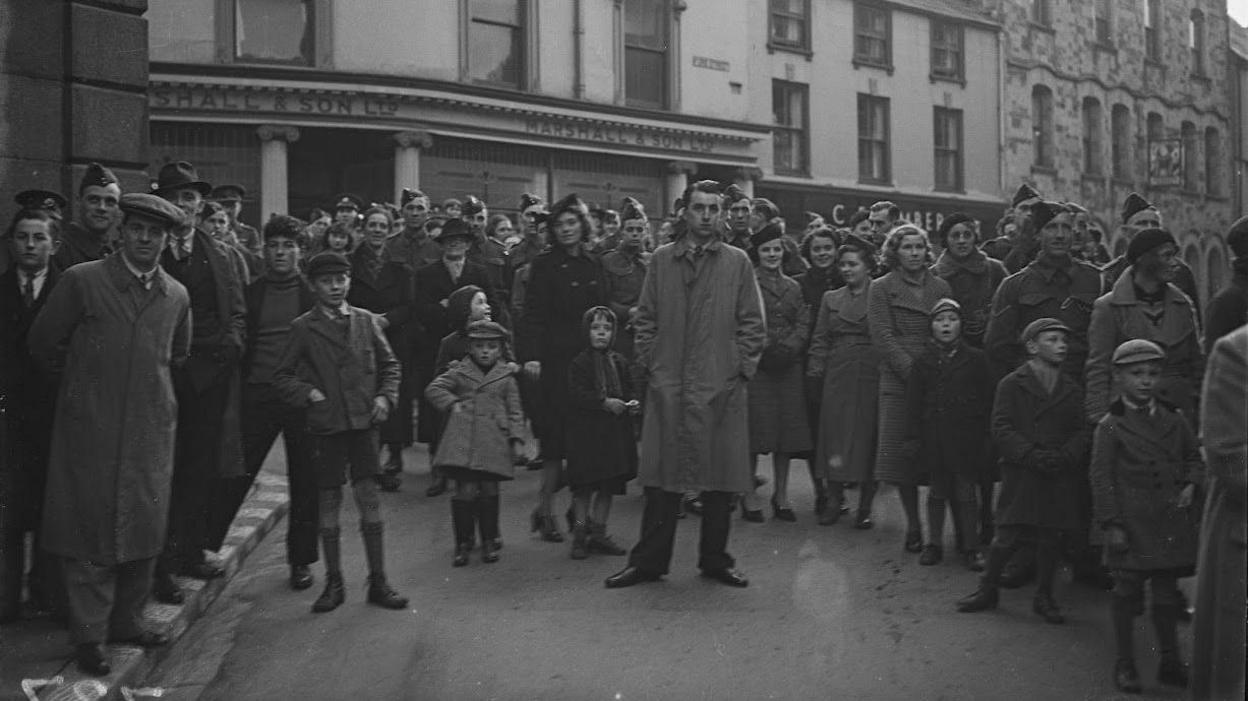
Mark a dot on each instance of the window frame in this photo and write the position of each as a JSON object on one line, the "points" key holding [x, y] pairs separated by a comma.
{"points": [[671, 68], [528, 37], [226, 36], [1042, 126], [1188, 134], [957, 30], [1103, 19], [1123, 164], [1093, 119], [861, 59], [959, 153], [1041, 13], [1213, 146], [803, 131], [1197, 38], [1152, 31], [804, 17], [868, 100]]}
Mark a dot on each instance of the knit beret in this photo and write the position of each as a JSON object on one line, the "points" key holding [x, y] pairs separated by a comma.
{"points": [[1041, 325], [947, 224], [152, 207], [1137, 350], [1147, 240], [328, 263], [1133, 205]]}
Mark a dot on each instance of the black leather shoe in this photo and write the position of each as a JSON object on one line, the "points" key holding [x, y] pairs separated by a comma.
{"points": [[437, 489], [147, 638], [1047, 609], [91, 660], [202, 570], [380, 594], [914, 542], [166, 590], [1015, 577], [982, 600], [629, 576], [783, 513], [1126, 678], [389, 481], [728, 575], [932, 555], [1172, 672], [300, 577], [863, 521], [333, 596]]}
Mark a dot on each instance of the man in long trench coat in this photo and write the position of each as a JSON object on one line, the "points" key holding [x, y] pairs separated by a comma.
{"points": [[699, 334], [113, 328]]}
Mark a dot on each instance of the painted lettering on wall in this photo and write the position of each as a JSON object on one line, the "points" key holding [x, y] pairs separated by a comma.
{"points": [[240, 101], [711, 63], [623, 134]]}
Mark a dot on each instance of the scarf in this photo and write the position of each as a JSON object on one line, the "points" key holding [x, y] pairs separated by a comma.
{"points": [[606, 377]]}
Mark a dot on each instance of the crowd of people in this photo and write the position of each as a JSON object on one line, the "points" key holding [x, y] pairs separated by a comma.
{"points": [[1047, 397]]}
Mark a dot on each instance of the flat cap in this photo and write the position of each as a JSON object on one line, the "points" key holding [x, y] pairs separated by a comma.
{"points": [[1147, 240], [1134, 204], [945, 304], [1041, 325], [228, 193], [1137, 350], [152, 207], [328, 263], [487, 330]]}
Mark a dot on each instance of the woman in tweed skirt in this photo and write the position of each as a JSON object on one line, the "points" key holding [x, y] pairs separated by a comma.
{"points": [[898, 307]]}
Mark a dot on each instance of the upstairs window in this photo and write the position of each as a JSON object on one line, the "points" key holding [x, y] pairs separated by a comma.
{"points": [[1191, 164], [646, 44], [1213, 151], [496, 42], [790, 117], [1041, 13], [872, 36], [1120, 133], [1104, 22], [873, 152], [948, 149], [790, 24], [1092, 125], [1042, 126], [1152, 30], [947, 50], [275, 31], [1196, 42]]}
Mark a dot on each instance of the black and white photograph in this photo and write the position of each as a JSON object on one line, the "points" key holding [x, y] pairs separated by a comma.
{"points": [[623, 350]]}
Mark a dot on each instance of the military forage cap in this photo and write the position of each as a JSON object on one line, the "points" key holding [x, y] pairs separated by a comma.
{"points": [[348, 201], [152, 207], [46, 200], [1134, 204], [1044, 212], [410, 194], [1137, 350], [631, 209], [528, 200], [733, 194], [472, 205], [1041, 325], [98, 176], [328, 263], [1025, 192]]}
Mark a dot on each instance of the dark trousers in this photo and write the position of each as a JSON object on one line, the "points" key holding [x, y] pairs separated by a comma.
{"points": [[106, 601], [25, 445], [653, 552], [264, 416], [196, 461]]}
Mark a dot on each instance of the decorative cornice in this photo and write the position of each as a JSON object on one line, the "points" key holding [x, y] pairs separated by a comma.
{"points": [[418, 139]]}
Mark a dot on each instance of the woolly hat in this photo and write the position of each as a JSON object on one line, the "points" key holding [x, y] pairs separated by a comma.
{"points": [[1134, 204], [1041, 325], [328, 263], [1137, 350], [1147, 240], [1025, 192], [97, 175], [632, 209], [951, 221]]}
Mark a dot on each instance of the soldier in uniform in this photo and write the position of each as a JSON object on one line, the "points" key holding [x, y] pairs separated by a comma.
{"points": [[413, 246], [1139, 214], [231, 198], [1020, 209], [91, 234], [737, 220], [486, 251], [626, 270], [346, 209]]}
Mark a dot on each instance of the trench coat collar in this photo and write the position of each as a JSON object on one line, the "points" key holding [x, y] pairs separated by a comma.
{"points": [[321, 324], [1047, 269], [1122, 294], [684, 246], [1155, 428], [119, 272], [1032, 384], [472, 371], [947, 265]]}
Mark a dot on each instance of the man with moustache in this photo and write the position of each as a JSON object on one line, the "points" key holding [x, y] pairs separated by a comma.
{"points": [[699, 334], [113, 329], [209, 441], [413, 246]]}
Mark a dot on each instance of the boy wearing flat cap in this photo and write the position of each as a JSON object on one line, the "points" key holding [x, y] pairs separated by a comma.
{"points": [[339, 368], [1146, 466], [1042, 440], [114, 389], [1144, 303]]}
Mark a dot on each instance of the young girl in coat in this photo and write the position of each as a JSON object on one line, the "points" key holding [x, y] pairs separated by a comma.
{"points": [[465, 306], [949, 394], [483, 437], [1145, 468], [601, 450]]}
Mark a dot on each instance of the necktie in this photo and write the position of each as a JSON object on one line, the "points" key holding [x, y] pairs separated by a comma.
{"points": [[28, 292], [181, 249], [145, 279]]}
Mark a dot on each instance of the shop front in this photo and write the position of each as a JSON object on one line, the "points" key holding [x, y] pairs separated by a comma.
{"points": [[294, 145]]}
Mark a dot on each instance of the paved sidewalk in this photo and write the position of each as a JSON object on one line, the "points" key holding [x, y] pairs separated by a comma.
{"points": [[37, 649]]}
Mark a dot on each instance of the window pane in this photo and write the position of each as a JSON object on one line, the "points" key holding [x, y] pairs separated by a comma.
{"points": [[1212, 184], [790, 151], [787, 30], [501, 11], [1190, 161], [494, 53], [273, 30], [795, 7], [645, 77], [644, 24]]}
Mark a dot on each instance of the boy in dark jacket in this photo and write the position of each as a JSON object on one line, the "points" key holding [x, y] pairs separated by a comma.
{"points": [[1042, 438], [340, 369], [1145, 468], [949, 396]]}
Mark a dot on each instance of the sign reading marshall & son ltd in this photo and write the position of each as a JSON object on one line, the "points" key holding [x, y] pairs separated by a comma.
{"points": [[336, 106]]}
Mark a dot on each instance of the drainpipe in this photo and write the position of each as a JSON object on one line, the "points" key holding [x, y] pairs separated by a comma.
{"points": [[578, 39]]}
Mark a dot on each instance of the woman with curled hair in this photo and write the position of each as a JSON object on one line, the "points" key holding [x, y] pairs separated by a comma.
{"points": [[899, 306], [844, 371]]}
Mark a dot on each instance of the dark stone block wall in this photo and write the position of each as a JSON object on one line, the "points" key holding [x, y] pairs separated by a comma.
{"points": [[73, 89]]}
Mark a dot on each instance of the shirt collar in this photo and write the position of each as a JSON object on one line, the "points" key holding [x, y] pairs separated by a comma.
{"points": [[23, 276], [138, 274], [343, 310], [686, 246], [1150, 406]]}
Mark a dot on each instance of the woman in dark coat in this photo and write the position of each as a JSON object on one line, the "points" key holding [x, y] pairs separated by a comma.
{"points": [[777, 409], [898, 307], [846, 368], [971, 274], [819, 249], [564, 281], [385, 288]]}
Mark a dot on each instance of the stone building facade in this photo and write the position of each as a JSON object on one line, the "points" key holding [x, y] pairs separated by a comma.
{"points": [[1106, 97], [73, 89]]}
